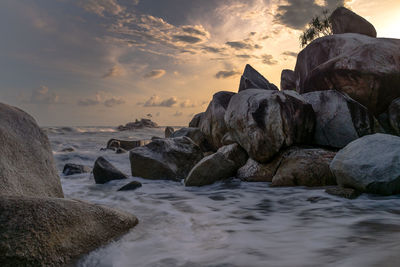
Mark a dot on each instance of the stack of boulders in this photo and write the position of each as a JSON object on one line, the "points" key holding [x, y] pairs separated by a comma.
{"points": [[39, 227], [138, 124], [334, 121]]}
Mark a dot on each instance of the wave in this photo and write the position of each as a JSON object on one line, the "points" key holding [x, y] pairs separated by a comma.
{"points": [[69, 130]]}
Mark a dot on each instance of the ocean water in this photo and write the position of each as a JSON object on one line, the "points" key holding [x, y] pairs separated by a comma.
{"points": [[230, 223]]}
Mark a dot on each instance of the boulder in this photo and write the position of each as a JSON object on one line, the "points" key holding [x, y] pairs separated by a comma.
{"points": [[344, 20], [168, 131], [265, 121], [104, 171], [394, 115], [370, 164], [252, 79], [26, 160], [339, 119], [195, 122], [196, 135], [338, 191], [138, 124], [367, 69], [55, 231], [288, 80], [304, 167], [131, 186], [218, 166], [114, 144], [254, 171], [71, 169], [212, 123], [167, 159]]}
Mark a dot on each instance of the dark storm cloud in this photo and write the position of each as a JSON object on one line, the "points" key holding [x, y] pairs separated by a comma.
{"points": [[224, 74], [268, 59], [213, 49], [238, 45], [187, 39]]}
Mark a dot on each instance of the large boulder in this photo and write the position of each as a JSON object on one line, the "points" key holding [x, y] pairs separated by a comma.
{"points": [[195, 122], [167, 159], [288, 80], [370, 164], [252, 79], [72, 169], [265, 121], [394, 115], [212, 123], [254, 171], [55, 231], [339, 119], [365, 68], [218, 166], [104, 171], [26, 159], [196, 135], [344, 20]]}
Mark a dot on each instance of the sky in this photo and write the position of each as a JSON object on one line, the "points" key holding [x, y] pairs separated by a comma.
{"points": [[108, 62]]}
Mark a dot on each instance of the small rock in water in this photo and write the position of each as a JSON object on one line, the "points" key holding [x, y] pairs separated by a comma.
{"points": [[349, 193], [120, 151], [131, 186], [67, 149], [143, 123], [104, 171], [71, 169]]}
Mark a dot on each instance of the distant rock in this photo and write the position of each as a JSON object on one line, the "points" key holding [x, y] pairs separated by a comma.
{"points": [[195, 122], [68, 149], [104, 171], [288, 80], [253, 171], [26, 160], [265, 121], [55, 231], [212, 123], [339, 119], [252, 79], [71, 169], [394, 115], [196, 135], [168, 131], [131, 186], [344, 20], [165, 159], [367, 69], [115, 144], [218, 166], [143, 123], [370, 164], [338, 191]]}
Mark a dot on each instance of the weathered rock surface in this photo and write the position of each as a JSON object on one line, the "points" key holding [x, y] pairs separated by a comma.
{"points": [[365, 68], [344, 20], [168, 159], [125, 144], [264, 121], [394, 115], [218, 166], [168, 131], [131, 186], [197, 136], [71, 169], [339, 119], [252, 79], [104, 171], [338, 191], [138, 124], [212, 123], [288, 80], [254, 171], [26, 159], [55, 231], [370, 164], [195, 122]]}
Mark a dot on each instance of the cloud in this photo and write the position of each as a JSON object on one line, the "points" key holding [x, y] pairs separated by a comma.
{"points": [[187, 39], [195, 29], [224, 74], [268, 59], [155, 74], [42, 95], [98, 99], [100, 7], [156, 101], [213, 49], [88, 102], [115, 71], [177, 114], [187, 104], [238, 45], [114, 101], [289, 54]]}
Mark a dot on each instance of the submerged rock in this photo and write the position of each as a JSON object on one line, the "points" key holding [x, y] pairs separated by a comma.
{"points": [[168, 131], [338, 191], [71, 169], [344, 20], [143, 123], [370, 164], [168, 159], [252, 79], [288, 80], [394, 115], [196, 135], [131, 186], [195, 122], [265, 121], [104, 171], [218, 166]]}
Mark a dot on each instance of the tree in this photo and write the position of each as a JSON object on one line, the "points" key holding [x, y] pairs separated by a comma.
{"points": [[317, 27]]}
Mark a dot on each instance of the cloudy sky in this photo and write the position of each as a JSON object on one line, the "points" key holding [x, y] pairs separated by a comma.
{"points": [[107, 62]]}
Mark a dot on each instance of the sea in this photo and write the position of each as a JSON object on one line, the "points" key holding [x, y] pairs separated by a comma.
{"points": [[229, 223]]}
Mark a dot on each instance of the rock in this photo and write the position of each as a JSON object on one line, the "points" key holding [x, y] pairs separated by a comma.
{"points": [[196, 135], [370, 164], [253, 171], [55, 231], [252, 79], [384, 122], [265, 121], [120, 151], [339, 119], [68, 149], [344, 20], [195, 122], [349, 193], [168, 131], [288, 80], [168, 159], [304, 167], [114, 144], [212, 123], [131, 186], [26, 160], [218, 166], [143, 123], [394, 115], [71, 169], [367, 69], [104, 171]]}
